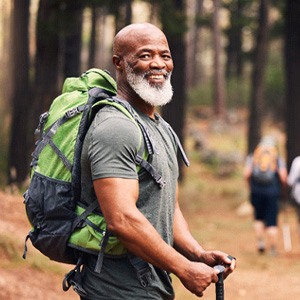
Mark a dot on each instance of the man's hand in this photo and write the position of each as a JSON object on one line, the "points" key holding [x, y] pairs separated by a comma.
{"points": [[213, 258], [197, 277]]}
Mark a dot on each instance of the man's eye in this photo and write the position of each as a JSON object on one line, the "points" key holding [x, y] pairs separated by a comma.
{"points": [[145, 56], [166, 57]]}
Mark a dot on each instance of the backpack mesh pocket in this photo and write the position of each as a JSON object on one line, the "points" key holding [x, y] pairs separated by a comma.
{"points": [[50, 209]]}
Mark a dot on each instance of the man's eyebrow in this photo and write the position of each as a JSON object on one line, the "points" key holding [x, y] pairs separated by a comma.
{"points": [[152, 50], [145, 50]]}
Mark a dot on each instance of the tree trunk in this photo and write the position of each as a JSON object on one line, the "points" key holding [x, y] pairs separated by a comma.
{"points": [[93, 38], [194, 43], [174, 28], [219, 80], [292, 60], [258, 77], [47, 52], [72, 18], [18, 159], [122, 11], [234, 65]]}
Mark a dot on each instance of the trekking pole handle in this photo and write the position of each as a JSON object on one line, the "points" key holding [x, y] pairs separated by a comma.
{"points": [[220, 283]]}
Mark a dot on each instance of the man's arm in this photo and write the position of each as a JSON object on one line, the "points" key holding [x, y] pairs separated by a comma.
{"points": [[248, 169], [117, 198]]}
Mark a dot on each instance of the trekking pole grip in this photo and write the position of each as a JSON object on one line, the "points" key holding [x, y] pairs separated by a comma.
{"points": [[220, 283]]}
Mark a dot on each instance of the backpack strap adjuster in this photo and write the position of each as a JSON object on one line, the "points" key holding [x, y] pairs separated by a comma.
{"points": [[151, 170], [73, 279], [142, 270], [74, 111]]}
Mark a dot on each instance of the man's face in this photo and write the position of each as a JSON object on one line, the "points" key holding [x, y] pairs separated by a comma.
{"points": [[148, 68], [155, 94]]}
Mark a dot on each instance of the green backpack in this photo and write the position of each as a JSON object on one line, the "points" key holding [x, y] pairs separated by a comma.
{"points": [[62, 227]]}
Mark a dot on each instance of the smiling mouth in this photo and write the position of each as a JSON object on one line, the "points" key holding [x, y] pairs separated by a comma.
{"points": [[158, 77]]}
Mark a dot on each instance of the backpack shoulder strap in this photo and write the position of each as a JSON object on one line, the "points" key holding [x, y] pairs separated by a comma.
{"points": [[146, 147], [177, 141]]}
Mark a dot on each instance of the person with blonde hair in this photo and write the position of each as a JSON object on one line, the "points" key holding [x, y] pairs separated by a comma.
{"points": [[266, 174]]}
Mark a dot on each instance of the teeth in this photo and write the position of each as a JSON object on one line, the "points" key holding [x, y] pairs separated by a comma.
{"points": [[156, 76]]}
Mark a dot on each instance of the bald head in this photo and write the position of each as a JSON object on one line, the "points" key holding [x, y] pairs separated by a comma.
{"points": [[143, 64], [127, 38]]}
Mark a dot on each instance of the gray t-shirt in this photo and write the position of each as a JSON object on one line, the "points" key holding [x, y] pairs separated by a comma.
{"points": [[109, 150]]}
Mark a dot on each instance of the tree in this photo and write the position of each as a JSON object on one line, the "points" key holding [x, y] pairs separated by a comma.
{"points": [[72, 31], [219, 80], [292, 61], [194, 43], [17, 160], [258, 77], [45, 86], [122, 11], [93, 37], [234, 65], [174, 26]]}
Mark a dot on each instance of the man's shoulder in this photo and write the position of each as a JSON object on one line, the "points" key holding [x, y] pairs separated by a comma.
{"points": [[112, 116], [114, 127]]}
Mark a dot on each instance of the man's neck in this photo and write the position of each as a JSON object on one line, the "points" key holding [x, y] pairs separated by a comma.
{"points": [[137, 102]]}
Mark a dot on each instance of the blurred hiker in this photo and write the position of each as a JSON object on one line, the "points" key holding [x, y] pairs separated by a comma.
{"points": [[266, 173], [294, 184], [145, 216]]}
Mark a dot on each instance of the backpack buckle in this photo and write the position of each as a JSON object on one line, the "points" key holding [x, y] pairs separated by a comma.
{"points": [[145, 278], [74, 111], [43, 118], [71, 113], [73, 279], [142, 270], [161, 182]]}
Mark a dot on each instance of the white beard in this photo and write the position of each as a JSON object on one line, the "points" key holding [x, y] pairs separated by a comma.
{"points": [[153, 95]]}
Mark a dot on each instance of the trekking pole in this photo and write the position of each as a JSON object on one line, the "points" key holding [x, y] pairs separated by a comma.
{"points": [[220, 283], [287, 242]]}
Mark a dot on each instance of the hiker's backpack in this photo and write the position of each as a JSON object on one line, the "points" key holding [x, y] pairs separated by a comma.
{"points": [[265, 164], [62, 227]]}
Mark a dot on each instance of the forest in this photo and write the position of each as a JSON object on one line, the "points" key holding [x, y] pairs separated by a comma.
{"points": [[228, 54], [236, 78]]}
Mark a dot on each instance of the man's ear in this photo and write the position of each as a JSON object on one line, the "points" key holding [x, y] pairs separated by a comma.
{"points": [[117, 62]]}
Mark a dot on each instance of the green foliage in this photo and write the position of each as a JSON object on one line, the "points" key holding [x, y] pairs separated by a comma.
{"points": [[174, 22], [237, 94], [238, 91], [200, 95], [275, 91]]}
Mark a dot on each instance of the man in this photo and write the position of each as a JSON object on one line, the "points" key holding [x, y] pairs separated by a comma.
{"points": [[265, 192], [146, 218]]}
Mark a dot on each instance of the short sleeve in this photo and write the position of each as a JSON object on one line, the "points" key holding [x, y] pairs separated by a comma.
{"points": [[114, 143]]}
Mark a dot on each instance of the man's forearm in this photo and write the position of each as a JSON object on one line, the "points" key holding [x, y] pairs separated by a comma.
{"points": [[141, 239]]}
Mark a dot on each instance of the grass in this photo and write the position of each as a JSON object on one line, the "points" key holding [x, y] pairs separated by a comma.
{"points": [[11, 251]]}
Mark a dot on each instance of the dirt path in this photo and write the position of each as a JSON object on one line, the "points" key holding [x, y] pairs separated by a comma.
{"points": [[257, 277]]}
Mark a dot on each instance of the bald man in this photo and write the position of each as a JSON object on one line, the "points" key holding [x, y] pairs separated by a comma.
{"points": [[145, 217]]}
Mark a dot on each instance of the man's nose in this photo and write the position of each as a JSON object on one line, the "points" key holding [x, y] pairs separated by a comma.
{"points": [[157, 62]]}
